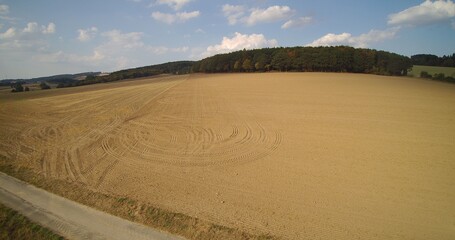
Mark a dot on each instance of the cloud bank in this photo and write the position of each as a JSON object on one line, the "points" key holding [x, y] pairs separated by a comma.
{"points": [[238, 42], [428, 12], [363, 40]]}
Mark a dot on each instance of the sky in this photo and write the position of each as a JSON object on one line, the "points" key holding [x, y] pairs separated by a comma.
{"points": [[48, 37]]}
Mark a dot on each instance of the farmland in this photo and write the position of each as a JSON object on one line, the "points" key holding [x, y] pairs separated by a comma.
{"points": [[295, 155], [432, 70]]}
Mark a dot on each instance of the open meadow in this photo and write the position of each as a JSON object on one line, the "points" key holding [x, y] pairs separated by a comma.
{"points": [[292, 155], [417, 70]]}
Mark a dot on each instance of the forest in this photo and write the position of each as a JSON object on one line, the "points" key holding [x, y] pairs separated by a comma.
{"points": [[307, 59], [288, 59], [433, 60]]}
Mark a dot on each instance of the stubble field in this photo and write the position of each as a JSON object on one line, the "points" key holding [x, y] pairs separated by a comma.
{"points": [[297, 155]]}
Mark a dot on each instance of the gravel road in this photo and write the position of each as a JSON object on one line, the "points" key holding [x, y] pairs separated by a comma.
{"points": [[67, 218]]}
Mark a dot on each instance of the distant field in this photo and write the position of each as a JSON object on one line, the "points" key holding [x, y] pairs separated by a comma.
{"points": [[295, 155], [416, 70]]}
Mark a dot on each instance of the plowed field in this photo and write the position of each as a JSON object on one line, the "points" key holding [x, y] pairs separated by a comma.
{"points": [[297, 155]]}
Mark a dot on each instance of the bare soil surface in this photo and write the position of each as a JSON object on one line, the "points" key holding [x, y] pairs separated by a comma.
{"points": [[296, 155]]}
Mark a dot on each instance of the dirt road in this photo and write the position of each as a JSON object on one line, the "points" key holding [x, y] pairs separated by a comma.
{"points": [[68, 218]]}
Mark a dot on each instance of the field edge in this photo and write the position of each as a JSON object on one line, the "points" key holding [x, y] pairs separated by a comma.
{"points": [[16, 226], [130, 209]]}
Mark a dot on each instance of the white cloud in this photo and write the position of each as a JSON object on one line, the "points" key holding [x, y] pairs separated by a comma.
{"points": [[363, 40], [117, 39], [58, 57], [119, 50], [28, 39], [10, 33], [239, 42], [31, 27], [233, 13], [49, 29], [115, 53], [174, 4], [331, 39], [120, 47], [163, 50], [87, 34], [199, 30], [426, 13], [174, 18], [184, 16], [236, 14], [300, 22], [4, 9], [271, 14]]}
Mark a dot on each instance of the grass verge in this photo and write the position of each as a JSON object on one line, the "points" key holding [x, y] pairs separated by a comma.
{"points": [[417, 69], [124, 207], [15, 226]]}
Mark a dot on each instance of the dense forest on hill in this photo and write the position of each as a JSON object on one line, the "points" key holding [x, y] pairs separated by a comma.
{"points": [[289, 59], [433, 60], [303, 59], [307, 59]]}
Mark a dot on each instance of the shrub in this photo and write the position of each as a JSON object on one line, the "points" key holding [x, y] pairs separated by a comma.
{"points": [[17, 87], [44, 86], [439, 76], [425, 74]]}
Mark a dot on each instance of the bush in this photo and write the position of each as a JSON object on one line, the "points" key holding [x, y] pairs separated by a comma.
{"points": [[439, 76], [17, 87], [425, 74], [44, 86], [450, 79]]}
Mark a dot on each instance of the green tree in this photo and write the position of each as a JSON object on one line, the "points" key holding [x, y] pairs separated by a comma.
{"points": [[247, 66], [237, 66], [44, 86], [17, 87], [281, 60]]}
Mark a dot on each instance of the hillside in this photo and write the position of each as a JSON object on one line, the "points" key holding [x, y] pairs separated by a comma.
{"points": [[308, 59], [284, 59], [61, 78]]}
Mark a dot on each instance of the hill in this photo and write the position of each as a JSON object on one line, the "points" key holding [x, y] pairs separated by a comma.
{"points": [[180, 67], [297, 59], [284, 59], [433, 60], [56, 79], [308, 59]]}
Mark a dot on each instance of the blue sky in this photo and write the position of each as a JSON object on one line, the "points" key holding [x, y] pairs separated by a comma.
{"points": [[46, 37]]}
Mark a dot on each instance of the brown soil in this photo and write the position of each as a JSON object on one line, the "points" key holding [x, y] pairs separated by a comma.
{"points": [[304, 155]]}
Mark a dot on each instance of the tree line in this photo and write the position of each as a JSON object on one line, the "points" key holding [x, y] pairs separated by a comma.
{"points": [[180, 67], [307, 59], [17, 87], [284, 59], [433, 60]]}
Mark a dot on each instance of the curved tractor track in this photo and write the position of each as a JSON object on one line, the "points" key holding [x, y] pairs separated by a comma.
{"points": [[82, 137], [293, 155]]}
